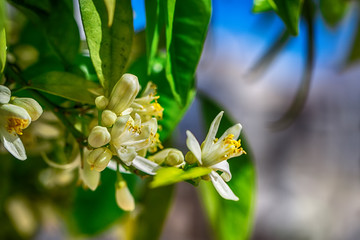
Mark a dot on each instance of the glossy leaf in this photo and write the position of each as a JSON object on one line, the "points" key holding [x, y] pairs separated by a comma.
{"points": [[155, 204], [56, 19], [109, 32], [231, 220], [67, 85], [333, 11], [188, 33], [170, 175], [289, 11]]}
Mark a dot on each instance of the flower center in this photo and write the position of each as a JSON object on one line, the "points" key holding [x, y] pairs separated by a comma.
{"points": [[17, 125], [232, 146]]}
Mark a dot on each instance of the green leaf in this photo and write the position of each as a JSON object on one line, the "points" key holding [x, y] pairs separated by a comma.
{"points": [[188, 33], [66, 85], [155, 205], [109, 38], [231, 220], [354, 51], [170, 175], [262, 6], [289, 11], [153, 25], [333, 11], [56, 19], [2, 38]]}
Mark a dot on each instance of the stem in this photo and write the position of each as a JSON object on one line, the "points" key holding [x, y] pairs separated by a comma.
{"points": [[80, 138]]}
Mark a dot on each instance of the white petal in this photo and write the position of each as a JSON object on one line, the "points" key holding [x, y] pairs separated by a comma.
{"points": [[212, 132], [224, 168], [5, 94], [193, 146], [234, 130], [145, 165], [221, 187], [91, 178], [119, 126], [113, 166], [126, 154], [13, 144]]}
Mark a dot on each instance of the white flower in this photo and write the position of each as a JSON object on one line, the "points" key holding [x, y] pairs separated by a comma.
{"points": [[214, 153], [130, 136], [13, 119], [147, 106]]}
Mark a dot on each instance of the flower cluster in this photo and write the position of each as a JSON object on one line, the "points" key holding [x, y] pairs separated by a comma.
{"points": [[16, 114]]}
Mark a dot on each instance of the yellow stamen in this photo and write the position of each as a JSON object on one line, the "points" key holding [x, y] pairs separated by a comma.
{"points": [[233, 146], [16, 124]]}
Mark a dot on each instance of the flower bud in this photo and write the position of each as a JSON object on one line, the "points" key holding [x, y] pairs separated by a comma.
{"points": [[124, 199], [90, 178], [190, 158], [123, 93], [169, 156], [99, 158], [99, 136], [101, 102], [108, 118], [5, 94], [30, 105]]}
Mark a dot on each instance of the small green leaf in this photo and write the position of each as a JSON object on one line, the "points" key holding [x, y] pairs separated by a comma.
{"points": [[109, 38], [333, 11], [188, 33], [170, 175], [67, 85], [2, 50], [289, 11], [231, 220], [262, 6]]}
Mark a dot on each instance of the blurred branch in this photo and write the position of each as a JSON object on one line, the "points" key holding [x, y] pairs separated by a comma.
{"points": [[268, 57], [298, 103]]}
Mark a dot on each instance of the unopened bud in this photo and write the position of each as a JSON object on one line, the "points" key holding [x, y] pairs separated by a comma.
{"points": [[123, 93], [99, 136], [124, 199], [101, 102], [190, 158], [108, 118], [169, 156], [30, 105], [99, 158]]}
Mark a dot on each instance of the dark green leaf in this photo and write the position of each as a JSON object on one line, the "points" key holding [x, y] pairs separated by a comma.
{"points": [[231, 220], [156, 203], [2, 38], [188, 33], [289, 11], [333, 10], [354, 51], [170, 175], [67, 85], [109, 33], [57, 21]]}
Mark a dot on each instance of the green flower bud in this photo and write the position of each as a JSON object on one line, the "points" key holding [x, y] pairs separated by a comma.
{"points": [[30, 105], [101, 102], [108, 118], [99, 158], [190, 158], [99, 136]]}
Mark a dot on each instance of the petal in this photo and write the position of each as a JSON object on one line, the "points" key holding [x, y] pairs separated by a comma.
{"points": [[119, 126], [11, 110], [126, 154], [30, 105], [193, 146], [113, 166], [124, 199], [234, 130], [212, 132], [224, 168], [13, 144], [145, 165], [90, 178], [221, 187], [5, 94]]}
